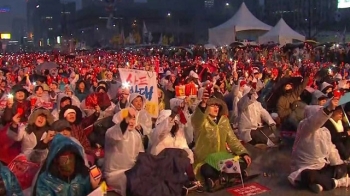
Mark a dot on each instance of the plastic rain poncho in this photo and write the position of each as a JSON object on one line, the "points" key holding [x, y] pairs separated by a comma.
{"points": [[162, 138], [313, 147], [143, 118], [187, 127], [251, 117], [211, 137], [121, 151], [49, 184]]}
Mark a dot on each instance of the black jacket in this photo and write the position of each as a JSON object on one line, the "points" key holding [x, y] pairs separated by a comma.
{"points": [[340, 140], [165, 173]]}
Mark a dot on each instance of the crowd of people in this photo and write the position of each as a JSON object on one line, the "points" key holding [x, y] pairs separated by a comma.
{"points": [[53, 134]]}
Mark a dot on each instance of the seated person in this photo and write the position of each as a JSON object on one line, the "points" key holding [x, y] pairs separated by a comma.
{"points": [[316, 163], [340, 136], [65, 172], [250, 122], [213, 132], [122, 146], [8, 182]]}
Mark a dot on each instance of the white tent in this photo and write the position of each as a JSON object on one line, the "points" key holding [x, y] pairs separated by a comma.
{"points": [[281, 34], [225, 33]]}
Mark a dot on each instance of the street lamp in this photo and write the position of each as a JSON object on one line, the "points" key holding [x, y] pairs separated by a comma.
{"points": [[37, 6], [169, 14], [227, 4]]}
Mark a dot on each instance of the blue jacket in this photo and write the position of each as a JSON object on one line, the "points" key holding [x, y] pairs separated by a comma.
{"points": [[49, 184], [11, 184]]}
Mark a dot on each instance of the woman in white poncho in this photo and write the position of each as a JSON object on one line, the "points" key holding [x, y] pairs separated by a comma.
{"points": [[167, 134], [315, 160], [122, 146]]}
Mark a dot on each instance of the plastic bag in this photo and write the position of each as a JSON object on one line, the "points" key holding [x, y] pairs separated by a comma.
{"points": [[24, 170]]}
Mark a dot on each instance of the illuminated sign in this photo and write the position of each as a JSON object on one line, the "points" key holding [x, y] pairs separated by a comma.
{"points": [[5, 9], [5, 36], [343, 3]]}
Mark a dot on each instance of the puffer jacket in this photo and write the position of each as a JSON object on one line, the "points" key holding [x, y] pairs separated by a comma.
{"points": [[286, 100]]}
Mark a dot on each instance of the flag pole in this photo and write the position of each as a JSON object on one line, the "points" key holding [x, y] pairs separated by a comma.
{"points": [[242, 179]]}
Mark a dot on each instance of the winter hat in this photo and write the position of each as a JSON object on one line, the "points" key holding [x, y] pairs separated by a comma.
{"points": [[19, 88], [103, 84], [71, 108], [63, 99], [68, 111], [60, 125], [40, 111]]}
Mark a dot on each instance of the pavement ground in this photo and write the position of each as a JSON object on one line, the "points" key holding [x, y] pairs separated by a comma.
{"points": [[276, 163]]}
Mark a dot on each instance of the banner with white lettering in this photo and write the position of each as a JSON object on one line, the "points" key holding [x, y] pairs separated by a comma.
{"points": [[144, 83]]}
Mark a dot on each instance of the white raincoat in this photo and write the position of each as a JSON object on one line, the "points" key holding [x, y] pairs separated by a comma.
{"points": [[187, 128], [143, 118], [313, 147], [251, 113], [237, 95], [163, 139], [121, 151]]}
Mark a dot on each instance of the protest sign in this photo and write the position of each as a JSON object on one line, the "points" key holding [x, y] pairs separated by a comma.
{"points": [[144, 83], [249, 189]]}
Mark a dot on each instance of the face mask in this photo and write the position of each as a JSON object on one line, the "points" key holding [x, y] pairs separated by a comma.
{"points": [[288, 91], [66, 164]]}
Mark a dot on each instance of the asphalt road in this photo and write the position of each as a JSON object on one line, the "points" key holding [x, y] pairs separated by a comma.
{"points": [[276, 164]]}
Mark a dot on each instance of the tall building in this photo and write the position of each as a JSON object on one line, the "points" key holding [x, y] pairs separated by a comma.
{"points": [[301, 14], [48, 19], [6, 16], [19, 29], [87, 3]]}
